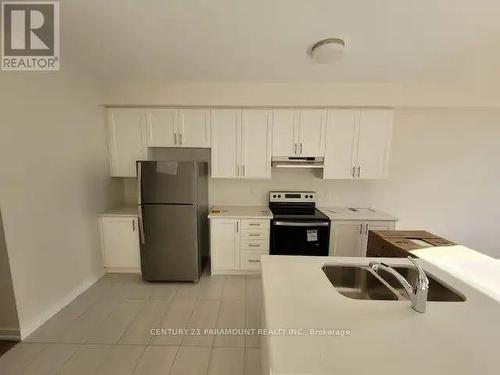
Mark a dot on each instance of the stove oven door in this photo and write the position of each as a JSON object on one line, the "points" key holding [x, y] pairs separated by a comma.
{"points": [[290, 237]]}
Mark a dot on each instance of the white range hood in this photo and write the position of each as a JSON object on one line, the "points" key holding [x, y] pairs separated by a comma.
{"points": [[296, 162]]}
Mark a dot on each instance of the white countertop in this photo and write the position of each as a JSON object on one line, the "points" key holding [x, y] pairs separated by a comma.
{"points": [[386, 337], [473, 267], [121, 211], [240, 212], [344, 213]]}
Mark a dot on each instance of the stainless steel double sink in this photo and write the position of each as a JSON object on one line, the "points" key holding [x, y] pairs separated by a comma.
{"points": [[360, 282]]}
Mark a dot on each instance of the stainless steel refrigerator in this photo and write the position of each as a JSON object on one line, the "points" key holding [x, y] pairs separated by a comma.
{"points": [[173, 223]]}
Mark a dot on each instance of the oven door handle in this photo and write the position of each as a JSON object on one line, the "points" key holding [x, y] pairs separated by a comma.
{"points": [[302, 224]]}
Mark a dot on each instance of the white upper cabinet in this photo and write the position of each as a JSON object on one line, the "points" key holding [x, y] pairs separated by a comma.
{"points": [[375, 130], [299, 132], [358, 144], [285, 132], [354, 142], [241, 143], [161, 128], [178, 128], [226, 139], [194, 127], [127, 144], [311, 133], [256, 143], [341, 144]]}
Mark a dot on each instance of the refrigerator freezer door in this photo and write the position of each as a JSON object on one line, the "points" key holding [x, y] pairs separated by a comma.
{"points": [[167, 182], [169, 245]]}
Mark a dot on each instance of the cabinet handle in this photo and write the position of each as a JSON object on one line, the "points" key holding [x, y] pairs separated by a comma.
{"points": [[301, 148], [182, 131], [361, 229], [295, 148], [133, 225], [359, 171], [353, 172], [253, 261], [175, 138], [237, 226], [253, 245], [254, 224], [366, 230]]}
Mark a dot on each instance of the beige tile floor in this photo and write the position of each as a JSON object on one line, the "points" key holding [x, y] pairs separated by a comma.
{"points": [[106, 330]]}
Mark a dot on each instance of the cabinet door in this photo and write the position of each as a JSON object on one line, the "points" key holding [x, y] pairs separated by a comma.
{"points": [[126, 140], [285, 129], [346, 238], [226, 140], [194, 127], [256, 143], [341, 144], [375, 128], [224, 236], [374, 225], [312, 132], [161, 128], [120, 243]]}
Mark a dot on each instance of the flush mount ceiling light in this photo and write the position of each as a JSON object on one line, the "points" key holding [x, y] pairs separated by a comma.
{"points": [[328, 50]]}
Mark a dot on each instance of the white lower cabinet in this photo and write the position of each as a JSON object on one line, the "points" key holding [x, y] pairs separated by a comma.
{"points": [[224, 238], [120, 244], [237, 244], [349, 238]]}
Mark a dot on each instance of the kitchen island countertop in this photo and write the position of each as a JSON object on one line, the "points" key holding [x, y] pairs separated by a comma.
{"points": [[386, 337]]}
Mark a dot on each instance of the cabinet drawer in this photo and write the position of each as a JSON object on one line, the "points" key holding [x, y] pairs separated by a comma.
{"points": [[250, 260], [254, 235], [255, 245], [254, 224]]}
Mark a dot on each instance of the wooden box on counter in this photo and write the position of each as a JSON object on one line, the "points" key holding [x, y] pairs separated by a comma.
{"points": [[399, 243]]}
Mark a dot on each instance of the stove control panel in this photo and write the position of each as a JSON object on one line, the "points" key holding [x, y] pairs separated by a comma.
{"points": [[292, 196]]}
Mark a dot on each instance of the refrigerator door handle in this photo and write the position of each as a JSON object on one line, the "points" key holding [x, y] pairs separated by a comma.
{"points": [[142, 236], [139, 182], [140, 224]]}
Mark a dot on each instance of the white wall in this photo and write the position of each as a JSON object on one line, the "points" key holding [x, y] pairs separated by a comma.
{"points": [[53, 181], [9, 323], [325, 94], [445, 175]]}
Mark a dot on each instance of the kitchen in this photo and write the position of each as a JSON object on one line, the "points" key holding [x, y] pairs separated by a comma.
{"points": [[178, 200]]}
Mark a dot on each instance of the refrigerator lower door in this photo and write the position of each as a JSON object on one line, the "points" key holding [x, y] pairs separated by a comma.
{"points": [[169, 245]]}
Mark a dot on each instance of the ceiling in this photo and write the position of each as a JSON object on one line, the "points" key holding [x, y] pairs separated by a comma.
{"points": [[268, 40]]}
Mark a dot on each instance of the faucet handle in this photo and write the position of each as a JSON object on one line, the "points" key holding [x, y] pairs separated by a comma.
{"points": [[422, 280]]}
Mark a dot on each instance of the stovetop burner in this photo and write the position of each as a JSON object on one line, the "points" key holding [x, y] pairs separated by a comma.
{"points": [[315, 215], [295, 206]]}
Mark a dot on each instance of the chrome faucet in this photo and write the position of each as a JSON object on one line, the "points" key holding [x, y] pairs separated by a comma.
{"points": [[418, 292]]}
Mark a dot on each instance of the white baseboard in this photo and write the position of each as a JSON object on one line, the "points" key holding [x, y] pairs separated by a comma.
{"points": [[10, 334], [123, 270], [29, 327]]}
